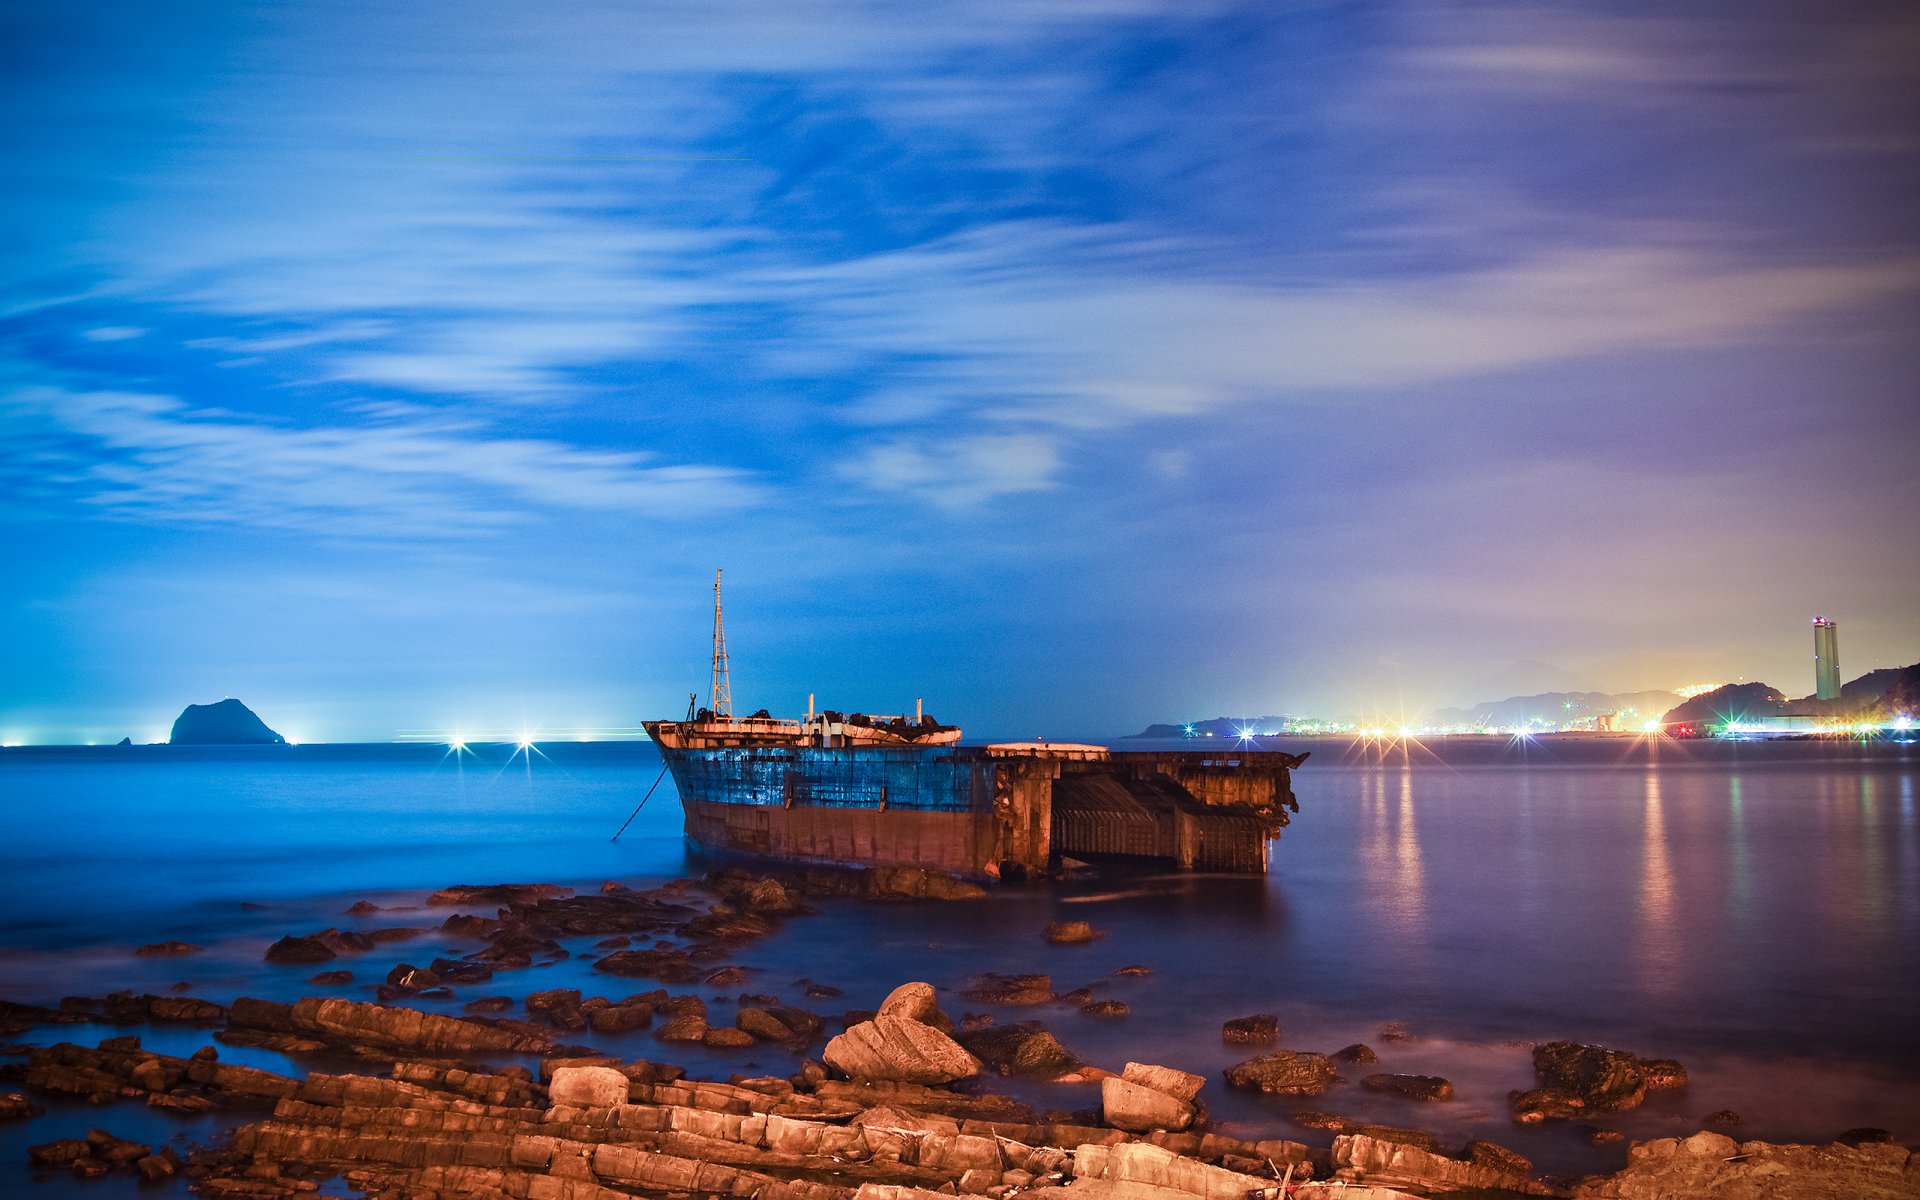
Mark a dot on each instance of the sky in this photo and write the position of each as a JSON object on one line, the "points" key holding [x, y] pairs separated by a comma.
{"points": [[1072, 364]]}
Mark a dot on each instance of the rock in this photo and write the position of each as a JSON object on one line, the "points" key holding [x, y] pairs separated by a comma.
{"points": [[690, 1027], [115, 1151], [1139, 1109], [728, 977], [917, 1002], [913, 883], [14, 1106], [667, 966], [621, 1018], [1260, 1029], [1413, 1087], [1133, 971], [490, 1004], [461, 971], [156, 1167], [768, 897], [166, 950], [1594, 1135], [1285, 1073], [1070, 933], [822, 991], [468, 925], [1359, 1054], [57, 1154], [1313, 1118], [1494, 1155], [1025, 1049], [410, 978], [332, 978], [1106, 1009], [291, 949], [226, 723], [1866, 1135], [1011, 989], [1711, 1166], [360, 908], [1398, 1164], [1725, 1118], [895, 1048], [501, 895], [725, 926], [761, 1024], [1580, 1078], [1395, 1033], [1181, 1085], [354, 1023], [588, 1087], [727, 1038]]}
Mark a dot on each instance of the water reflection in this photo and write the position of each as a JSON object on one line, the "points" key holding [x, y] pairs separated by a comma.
{"points": [[1740, 858], [1410, 877], [1658, 944]]}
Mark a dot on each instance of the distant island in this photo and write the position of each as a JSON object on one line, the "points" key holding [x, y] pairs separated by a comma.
{"points": [[1217, 727], [228, 723]]}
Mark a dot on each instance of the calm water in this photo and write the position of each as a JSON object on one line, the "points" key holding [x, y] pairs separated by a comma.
{"points": [[1751, 909]]}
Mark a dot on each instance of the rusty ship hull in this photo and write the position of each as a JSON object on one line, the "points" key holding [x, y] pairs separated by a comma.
{"points": [[973, 811]]}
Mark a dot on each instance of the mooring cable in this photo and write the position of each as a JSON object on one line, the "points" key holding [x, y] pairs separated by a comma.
{"points": [[639, 806]]}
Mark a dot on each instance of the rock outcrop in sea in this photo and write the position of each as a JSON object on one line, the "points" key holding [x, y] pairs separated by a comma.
{"points": [[227, 723]]}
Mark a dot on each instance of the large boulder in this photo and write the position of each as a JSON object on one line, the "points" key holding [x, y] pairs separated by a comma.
{"points": [[1139, 1109], [1577, 1078], [1144, 1098], [587, 1087], [900, 1050], [1285, 1073]]}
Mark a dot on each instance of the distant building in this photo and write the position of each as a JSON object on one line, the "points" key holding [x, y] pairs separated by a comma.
{"points": [[1826, 659]]}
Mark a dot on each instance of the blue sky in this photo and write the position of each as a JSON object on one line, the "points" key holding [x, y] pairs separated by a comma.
{"points": [[1072, 364]]}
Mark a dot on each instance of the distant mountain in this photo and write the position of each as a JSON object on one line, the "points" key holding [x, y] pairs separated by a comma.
{"points": [[1734, 702], [1882, 693], [1218, 727], [1552, 708], [1902, 697], [228, 723]]}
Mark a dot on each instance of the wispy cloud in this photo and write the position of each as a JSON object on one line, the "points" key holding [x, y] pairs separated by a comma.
{"points": [[151, 458]]}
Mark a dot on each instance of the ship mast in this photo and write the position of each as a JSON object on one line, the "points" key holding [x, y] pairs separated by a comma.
{"points": [[722, 682]]}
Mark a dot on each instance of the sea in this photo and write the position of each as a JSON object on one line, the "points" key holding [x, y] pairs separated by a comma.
{"points": [[1751, 909]]}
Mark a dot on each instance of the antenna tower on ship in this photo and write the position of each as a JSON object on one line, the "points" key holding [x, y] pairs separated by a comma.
{"points": [[722, 681]]}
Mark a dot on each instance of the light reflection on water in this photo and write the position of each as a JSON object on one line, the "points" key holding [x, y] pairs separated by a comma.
{"points": [[1659, 957]]}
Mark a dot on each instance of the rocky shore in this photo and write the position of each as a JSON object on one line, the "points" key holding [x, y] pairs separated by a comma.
{"points": [[892, 1104]]}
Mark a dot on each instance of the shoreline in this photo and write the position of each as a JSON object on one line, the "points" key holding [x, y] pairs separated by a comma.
{"points": [[685, 949]]}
